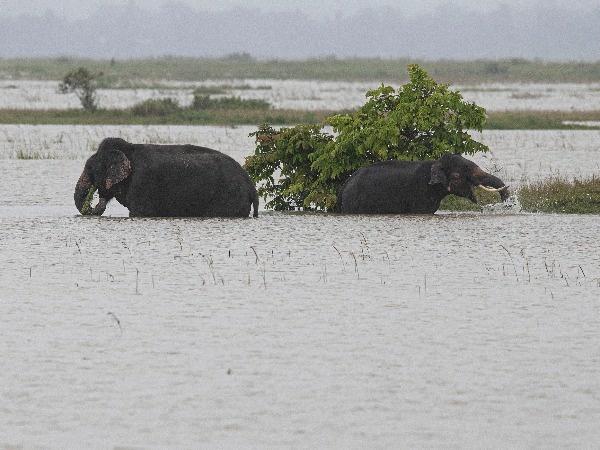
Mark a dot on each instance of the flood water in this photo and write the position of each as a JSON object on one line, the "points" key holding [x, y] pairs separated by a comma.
{"points": [[515, 155], [306, 94], [292, 330]]}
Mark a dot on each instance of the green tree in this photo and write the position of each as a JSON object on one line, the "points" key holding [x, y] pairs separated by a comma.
{"points": [[420, 120], [83, 83], [283, 165]]}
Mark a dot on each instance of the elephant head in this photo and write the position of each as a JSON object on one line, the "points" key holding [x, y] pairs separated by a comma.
{"points": [[459, 176], [105, 171]]}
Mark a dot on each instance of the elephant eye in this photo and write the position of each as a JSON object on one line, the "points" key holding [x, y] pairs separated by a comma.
{"points": [[455, 175]]}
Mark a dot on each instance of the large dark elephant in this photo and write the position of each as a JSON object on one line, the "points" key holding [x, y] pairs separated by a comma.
{"points": [[396, 187], [165, 180]]}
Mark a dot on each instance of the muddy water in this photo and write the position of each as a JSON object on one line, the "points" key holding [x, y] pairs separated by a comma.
{"points": [[292, 330]]}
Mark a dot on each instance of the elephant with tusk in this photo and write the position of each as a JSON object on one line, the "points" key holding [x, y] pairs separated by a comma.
{"points": [[165, 180], [398, 187]]}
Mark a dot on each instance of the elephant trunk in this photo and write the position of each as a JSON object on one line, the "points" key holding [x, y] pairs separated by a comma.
{"points": [[84, 190], [491, 183]]}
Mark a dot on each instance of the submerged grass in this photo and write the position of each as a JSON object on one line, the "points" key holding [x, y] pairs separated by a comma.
{"points": [[455, 203], [553, 195], [558, 195], [32, 154]]}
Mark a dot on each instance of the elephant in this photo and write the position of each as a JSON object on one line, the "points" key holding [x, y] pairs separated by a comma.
{"points": [[418, 187], [165, 181]]}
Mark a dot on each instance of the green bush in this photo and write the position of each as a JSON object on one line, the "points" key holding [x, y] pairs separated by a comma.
{"points": [[202, 101], [156, 107], [419, 120]]}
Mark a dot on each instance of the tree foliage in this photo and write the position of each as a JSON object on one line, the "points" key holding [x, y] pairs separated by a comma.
{"points": [[282, 163], [83, 83], [303, 166]]}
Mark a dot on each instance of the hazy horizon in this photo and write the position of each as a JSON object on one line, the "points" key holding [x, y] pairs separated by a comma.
{"points": [[316, 8], [267, 29]]}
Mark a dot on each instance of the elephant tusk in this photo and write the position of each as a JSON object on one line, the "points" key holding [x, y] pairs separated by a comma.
{"points": [[490, 189]]}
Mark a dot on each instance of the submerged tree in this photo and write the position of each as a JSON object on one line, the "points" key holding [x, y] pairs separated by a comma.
{"points": [[303, 167], [83, 83]]}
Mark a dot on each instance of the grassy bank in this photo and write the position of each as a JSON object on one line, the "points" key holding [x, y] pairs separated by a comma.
{"points": [[244, 66], [554, 195], [242, 116], [539, 120], [226, 115]]}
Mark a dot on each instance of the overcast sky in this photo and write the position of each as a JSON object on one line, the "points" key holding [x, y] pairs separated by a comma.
{"points": [[431, 29], [82, 8]]}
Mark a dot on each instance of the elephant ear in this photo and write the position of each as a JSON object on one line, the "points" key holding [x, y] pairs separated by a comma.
{"points": [[438, 175], [119, 168]]}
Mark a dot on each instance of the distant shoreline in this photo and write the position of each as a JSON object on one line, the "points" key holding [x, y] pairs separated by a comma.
{"points": [[117, 72], [497, 120]]}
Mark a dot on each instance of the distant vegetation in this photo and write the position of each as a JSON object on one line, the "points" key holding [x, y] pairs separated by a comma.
{"points": [[122, 72], [501, 120], [540, 120], [156, 107], [226, 88], [82, 82], [168, 107], [203, 102], [183, 116]]}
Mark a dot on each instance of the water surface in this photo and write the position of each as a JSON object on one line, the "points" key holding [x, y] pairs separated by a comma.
{"points": [[292, 330], [307, 94], [515, 155]]}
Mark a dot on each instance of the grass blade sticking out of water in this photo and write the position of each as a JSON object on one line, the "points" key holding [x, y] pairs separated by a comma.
{"points": [[116, 319], [33, 154]]}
